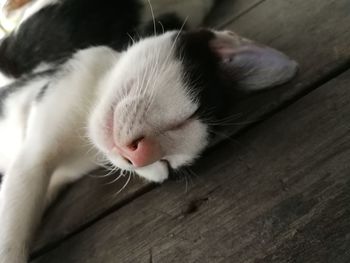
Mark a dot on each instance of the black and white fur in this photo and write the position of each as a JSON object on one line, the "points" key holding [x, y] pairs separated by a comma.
{"points": [[51, 30], [59, 124]]}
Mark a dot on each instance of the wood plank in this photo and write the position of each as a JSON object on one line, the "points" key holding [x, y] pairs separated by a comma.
{"points": [[225, 11], [87, 201], [304, 29], [281, 193]]}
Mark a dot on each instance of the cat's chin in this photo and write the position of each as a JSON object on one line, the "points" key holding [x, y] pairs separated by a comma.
{"points": [[157, 172]]}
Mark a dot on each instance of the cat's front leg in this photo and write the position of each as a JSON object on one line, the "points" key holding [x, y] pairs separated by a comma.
{"points": [[22, 201]]}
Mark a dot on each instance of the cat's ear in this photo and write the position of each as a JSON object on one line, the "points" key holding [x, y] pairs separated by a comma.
{"points": [[251, 65]]}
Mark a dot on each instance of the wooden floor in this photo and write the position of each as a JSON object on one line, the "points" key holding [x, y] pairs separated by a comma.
{"points": [[276, 190]]}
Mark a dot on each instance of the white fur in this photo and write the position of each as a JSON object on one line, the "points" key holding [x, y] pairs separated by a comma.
{"points": [[48, 143], [157, 77], [4, 80], [98, 99], [54, 141]]}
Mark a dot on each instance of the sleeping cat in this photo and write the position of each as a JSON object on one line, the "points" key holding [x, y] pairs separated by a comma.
{"points": [[146, 109], [51, 30]]}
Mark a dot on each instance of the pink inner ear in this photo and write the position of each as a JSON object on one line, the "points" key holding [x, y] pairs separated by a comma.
{"points": [[252, 65], [224, 52]]}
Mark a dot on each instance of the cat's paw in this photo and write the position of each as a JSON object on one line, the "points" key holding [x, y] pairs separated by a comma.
{"points": [[157, 172]]}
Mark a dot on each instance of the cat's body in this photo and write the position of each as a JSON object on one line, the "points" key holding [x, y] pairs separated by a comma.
{"points": [[145, 109], [51, 30]]}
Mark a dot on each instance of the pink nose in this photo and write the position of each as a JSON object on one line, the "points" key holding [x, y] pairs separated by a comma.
{"points": [[141, 152]]}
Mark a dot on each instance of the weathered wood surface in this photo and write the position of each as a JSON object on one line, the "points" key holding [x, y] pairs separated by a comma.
{"points": [[306, 30], [226, 11], [311, 32], [280, 193], [89, 199]]}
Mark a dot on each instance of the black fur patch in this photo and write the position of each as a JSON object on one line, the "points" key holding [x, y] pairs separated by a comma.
{"points": [[58, 30], [42, 92], [19, 84], [203, 74]]}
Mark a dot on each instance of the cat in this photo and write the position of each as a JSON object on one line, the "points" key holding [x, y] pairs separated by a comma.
{"points": [[51, 30], [145, 108]]}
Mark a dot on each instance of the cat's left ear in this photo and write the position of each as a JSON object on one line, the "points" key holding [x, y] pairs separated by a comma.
{"points": [[251, 65]]}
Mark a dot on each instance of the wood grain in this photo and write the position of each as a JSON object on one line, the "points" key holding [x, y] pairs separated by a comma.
{"points": [[280, 193], [225, 11], [306, 30], [85, 202]]}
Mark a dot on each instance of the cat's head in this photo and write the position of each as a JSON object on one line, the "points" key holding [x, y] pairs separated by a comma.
{"points": [[165, 91]]}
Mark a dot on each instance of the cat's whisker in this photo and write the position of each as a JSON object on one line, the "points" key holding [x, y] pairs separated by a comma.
{"points": [[229, 138], [104, 163], [153, 90], [153, 17], [109, 172], [163, 65], [150, 97], [176, 39], [190, 174], [98, 176], [193, 174], [163, 30], [126, 183], [102, 159], [117, 178], [150, 100], [225, 124], [153, 72], [227, 121], [186, 183], [230, 119], [181, 176], [234, 116], [131, 38], [141, 86]]}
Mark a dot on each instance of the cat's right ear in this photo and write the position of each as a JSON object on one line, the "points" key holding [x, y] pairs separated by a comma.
{"points": [[251, 65]]}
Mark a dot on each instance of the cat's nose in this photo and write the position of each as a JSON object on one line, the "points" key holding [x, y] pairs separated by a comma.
{"points": [[141, 152]]}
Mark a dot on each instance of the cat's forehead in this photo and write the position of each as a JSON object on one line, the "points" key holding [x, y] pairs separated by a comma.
{"points": [[151, 62], [177, 68], [170, 46], [156, 47], [172, 56]]}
